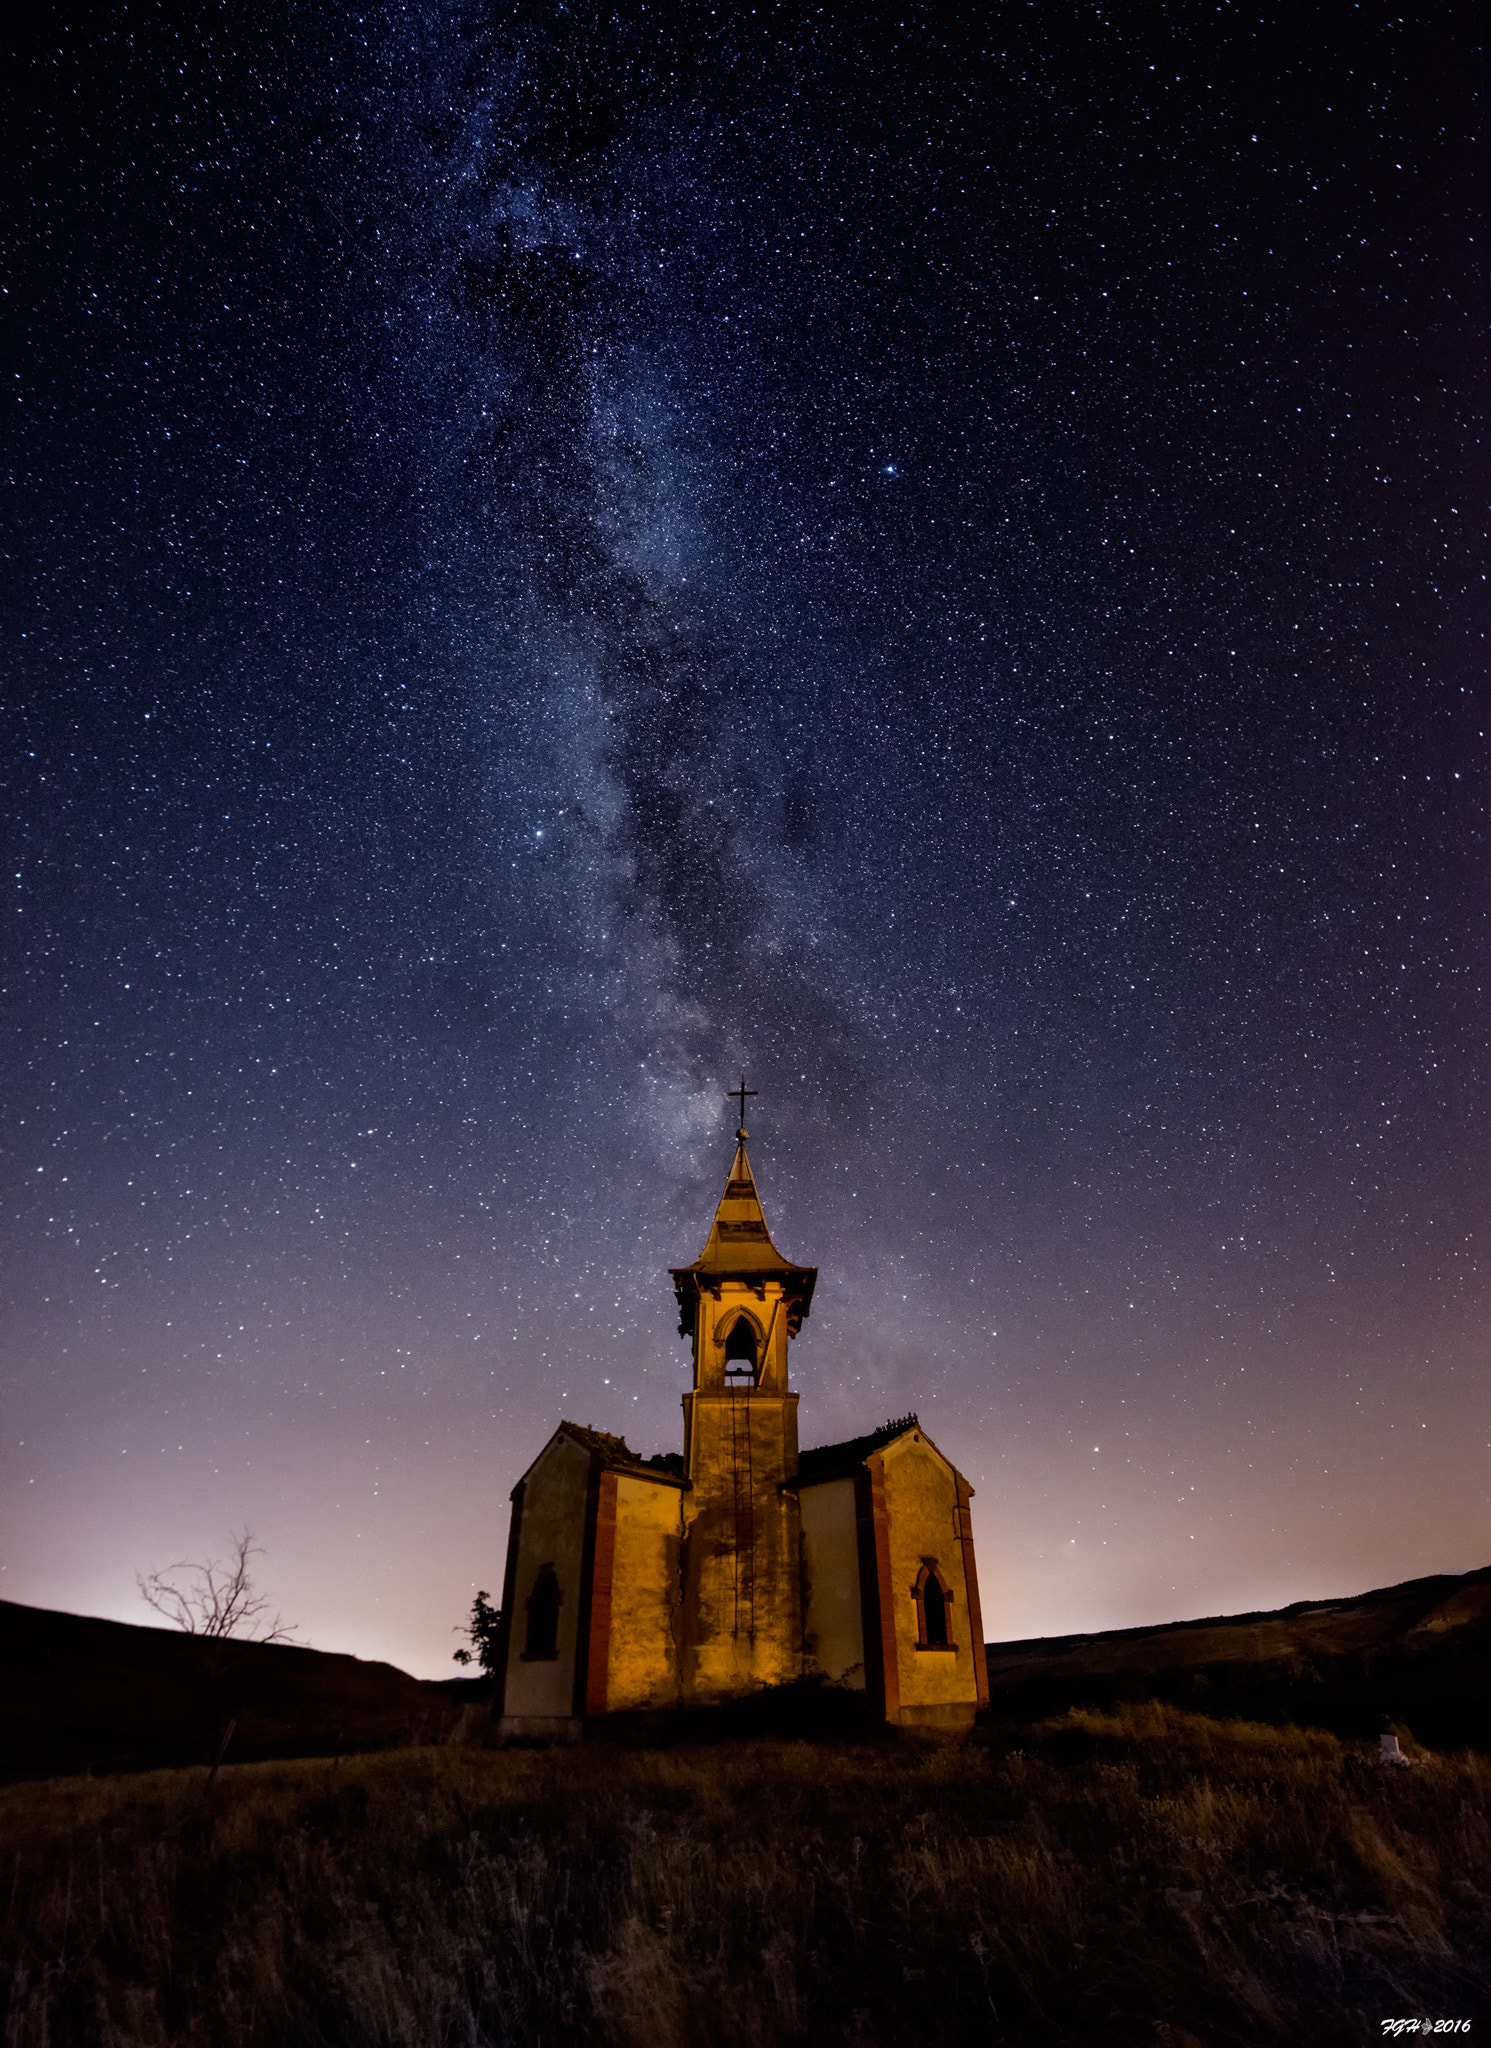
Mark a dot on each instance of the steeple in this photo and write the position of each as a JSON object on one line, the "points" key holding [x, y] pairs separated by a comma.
{"points": [[741, 1302], [739, 1249]]}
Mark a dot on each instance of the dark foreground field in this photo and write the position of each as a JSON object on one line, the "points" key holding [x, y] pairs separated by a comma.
{"points": [[1147, 1876]]}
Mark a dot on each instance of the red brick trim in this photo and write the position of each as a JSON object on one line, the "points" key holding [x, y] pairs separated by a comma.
{"points": [[581, 1675], [869, 1589], [890, 1654], [970, 1586], [602, 1572], [509, 1598]]}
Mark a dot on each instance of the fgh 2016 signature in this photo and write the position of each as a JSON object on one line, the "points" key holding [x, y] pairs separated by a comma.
{"points": [[1390, 2027]]}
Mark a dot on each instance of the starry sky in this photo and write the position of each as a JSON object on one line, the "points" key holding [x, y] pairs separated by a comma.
{"points": [[555, 554]]}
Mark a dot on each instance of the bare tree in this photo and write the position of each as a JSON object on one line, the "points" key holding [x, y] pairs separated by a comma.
{"points": [[216, 1599]]}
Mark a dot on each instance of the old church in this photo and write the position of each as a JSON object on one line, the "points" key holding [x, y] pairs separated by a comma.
{"points": [[636, 1584]]}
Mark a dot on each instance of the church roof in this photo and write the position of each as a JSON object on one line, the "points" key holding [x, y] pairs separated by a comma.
{"points": [[739, 1247], [841, 1461], [614, 1454]]}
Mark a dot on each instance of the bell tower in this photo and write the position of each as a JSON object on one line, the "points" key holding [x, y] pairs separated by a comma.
{"points": [[742, 1303]]}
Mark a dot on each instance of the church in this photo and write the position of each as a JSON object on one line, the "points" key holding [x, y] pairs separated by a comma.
{"points": [[636, 1584]]}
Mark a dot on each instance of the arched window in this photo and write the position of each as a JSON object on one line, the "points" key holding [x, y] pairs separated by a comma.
{"points": [[740, 1353], [542, 1638], [933, 1608], [934, 1616]]}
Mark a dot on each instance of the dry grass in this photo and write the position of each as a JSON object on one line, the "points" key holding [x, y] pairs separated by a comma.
{"points": [[1149, 1876]]}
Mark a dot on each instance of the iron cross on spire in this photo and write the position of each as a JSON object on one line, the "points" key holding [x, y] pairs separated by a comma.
{"points": [[742, 1091]]}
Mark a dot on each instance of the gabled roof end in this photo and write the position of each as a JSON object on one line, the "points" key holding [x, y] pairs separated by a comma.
{"points": [[841, 1461]]}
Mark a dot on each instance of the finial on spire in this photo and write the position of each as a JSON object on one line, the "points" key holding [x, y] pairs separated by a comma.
{"points": [[742, 1091]]}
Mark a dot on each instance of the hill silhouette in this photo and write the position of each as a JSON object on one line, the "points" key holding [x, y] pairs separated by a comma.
{"points": [[1417, 1653], [79, 1693]]}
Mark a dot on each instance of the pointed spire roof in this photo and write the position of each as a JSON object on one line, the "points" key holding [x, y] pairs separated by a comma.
{"points": [[739, 1241], [739, 1247]]}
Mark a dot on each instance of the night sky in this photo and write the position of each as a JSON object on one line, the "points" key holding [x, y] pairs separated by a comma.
{"points": [[553, 556]]}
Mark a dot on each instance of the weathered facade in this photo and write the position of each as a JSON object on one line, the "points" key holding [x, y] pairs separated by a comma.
{"points": [[639, 1584]]}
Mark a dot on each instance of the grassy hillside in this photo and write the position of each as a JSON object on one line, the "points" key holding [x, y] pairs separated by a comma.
{"points": [[1418, 1652], [1149, 1876], [76, 1692]]}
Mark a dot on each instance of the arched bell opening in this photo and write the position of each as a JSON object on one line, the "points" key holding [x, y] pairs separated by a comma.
{"points": [[742, 1354]]}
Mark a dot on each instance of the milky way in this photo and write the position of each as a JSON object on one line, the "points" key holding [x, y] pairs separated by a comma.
{"points": [[553, 561]]}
